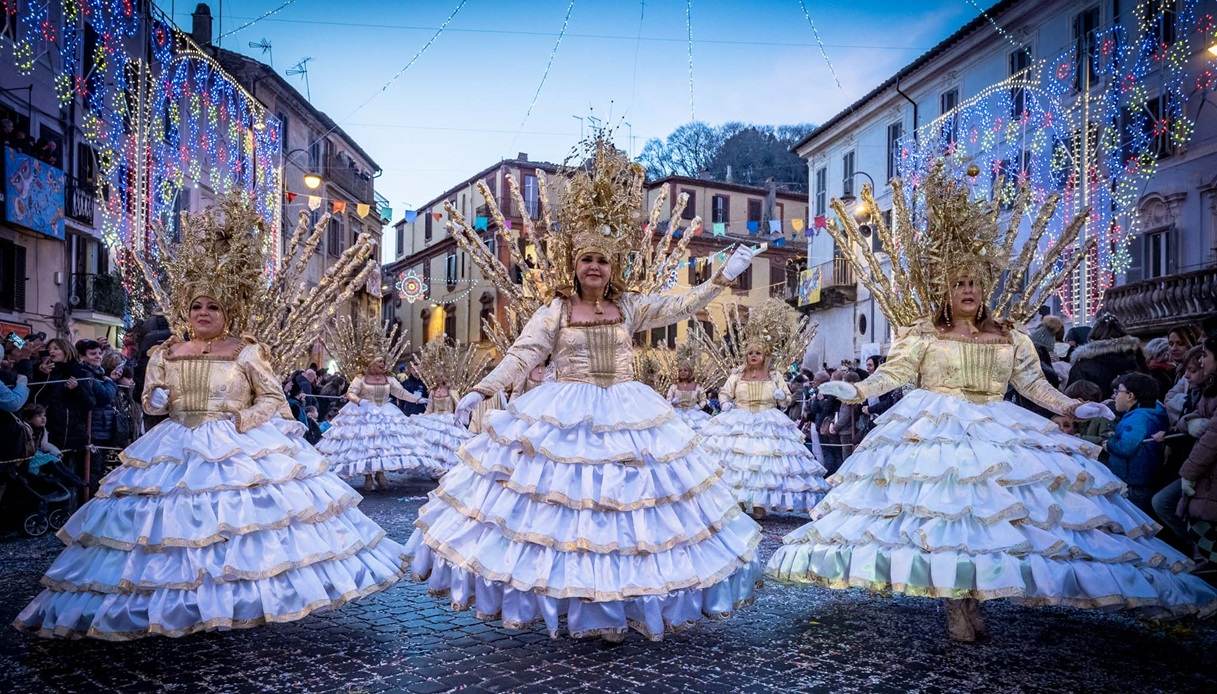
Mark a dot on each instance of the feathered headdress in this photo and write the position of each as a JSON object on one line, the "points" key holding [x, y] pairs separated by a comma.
{"points": [[773, 327], [599, 209], [960, 237], [442, 361], [356, 346]]}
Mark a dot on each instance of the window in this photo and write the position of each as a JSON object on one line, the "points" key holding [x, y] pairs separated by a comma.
{"points": [[847, 174], [947, 103], [1158, 126], [754, 214], [86, 165], [12, 276], [821, 191], [1019, 60], [427, 228], [720, 209], [450, 271], [664, 336], [88, 51], [690, 210], [284, 140], [450, 321], [427, 277], [400, 248], [698, 272], [744, 282], [1156, 259], [532, 199], [894, 132], [314, 153], [333, 241], [1086, 53]]}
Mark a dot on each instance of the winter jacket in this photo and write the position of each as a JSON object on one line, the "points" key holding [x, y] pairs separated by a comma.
{"points": [[1102, 361], [1096, 430], [413, 384], [67, 409], [1164, 374], [1201, 468], [105, 393], [1131, 456]]}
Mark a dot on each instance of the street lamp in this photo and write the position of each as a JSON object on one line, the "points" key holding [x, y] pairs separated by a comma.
{"points": [[1213, 48], [849, 198], [312, 179]]}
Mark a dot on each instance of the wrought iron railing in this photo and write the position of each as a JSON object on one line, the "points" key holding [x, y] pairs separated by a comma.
{"points": [[98, 293]]}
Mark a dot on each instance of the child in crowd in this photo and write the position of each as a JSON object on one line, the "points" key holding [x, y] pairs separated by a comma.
{"points": [[34, 418], [1134, 448], [1095, 430]]}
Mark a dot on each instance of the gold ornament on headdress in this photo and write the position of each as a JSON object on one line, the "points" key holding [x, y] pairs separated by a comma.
{"points": [[599, 209], [224, 253], [655, 367], [691, 355], [962, 237], [442, 361], [357, 345], [773, 327]]}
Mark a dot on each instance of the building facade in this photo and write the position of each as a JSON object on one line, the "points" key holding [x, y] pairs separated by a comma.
{"points": [[1178, 208]]}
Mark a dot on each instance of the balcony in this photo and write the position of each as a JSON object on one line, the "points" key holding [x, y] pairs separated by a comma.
{"points": [[838, 286], [1155, 306], [97, 294], [79, 198], [339, 172]]}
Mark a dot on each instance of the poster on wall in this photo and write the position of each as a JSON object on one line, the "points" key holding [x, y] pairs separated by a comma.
{"points": [[809, 286], [33, 194]]}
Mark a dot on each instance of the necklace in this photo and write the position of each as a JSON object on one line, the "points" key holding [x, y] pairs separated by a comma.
{"points": [[208, 342]]}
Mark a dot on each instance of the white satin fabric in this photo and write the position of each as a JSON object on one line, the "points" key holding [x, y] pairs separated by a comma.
{"points": [[207, 528], [366, 438], [589, 503], [765, 460], [694, 417], [947, 498], [440, 436]]}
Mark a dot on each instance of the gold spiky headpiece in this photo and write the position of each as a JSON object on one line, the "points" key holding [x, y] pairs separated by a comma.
{"points": [[773, 327], [598, 210], [960, 237], [356, 346], [442, 361], [655, 367]]}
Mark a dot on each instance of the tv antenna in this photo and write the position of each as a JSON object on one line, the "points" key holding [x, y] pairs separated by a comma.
{"points": [[301, 68], [264, 44]]}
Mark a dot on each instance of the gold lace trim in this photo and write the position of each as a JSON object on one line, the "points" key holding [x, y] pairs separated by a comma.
{"points": [[284, 449], [608, 504], [261, 481], [579, 544], [631, 458], [641, 425]]}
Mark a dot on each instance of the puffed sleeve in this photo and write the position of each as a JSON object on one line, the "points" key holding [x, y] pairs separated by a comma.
{"points": [[646, 311], [779, 384], [355, 390], [268, 399], [727, 392], [155, 377], [396, 390], [672, 390], [1028, 378], [535, 342], [903, 366]]}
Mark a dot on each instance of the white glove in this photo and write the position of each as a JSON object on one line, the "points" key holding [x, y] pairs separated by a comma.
{"points": [[1188, 486], [840, 390], [739, 261], [1090, 410], [779, 394], [159, 398], [22, 380], [423, 401], [726, 407], [464, 408]]}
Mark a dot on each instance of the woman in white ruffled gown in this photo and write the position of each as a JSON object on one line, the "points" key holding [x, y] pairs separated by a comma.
{"points": [[440, 434], [762, 451], [220, 517], [956, 493], [689, 399], [588, 498], [370, 435]]}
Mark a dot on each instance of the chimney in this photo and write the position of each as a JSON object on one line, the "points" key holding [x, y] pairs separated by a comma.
{"points": [[728, 178], [200, 24], [522, 156]]}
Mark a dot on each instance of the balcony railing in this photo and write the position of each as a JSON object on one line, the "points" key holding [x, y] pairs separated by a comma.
{"points": [[79, 198], [341, 173], [1155, 306], [97, 293], [838, 285]]}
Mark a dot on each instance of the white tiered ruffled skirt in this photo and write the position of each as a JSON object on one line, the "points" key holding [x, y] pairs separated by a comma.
{"points": [[366, 438], [589, 503], [207, 528], [439, 438], [951, 499], [765, 460], [695, 417]]}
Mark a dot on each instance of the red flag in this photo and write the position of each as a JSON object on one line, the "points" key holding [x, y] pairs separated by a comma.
{"points": [[291, 197], [821, 222]]}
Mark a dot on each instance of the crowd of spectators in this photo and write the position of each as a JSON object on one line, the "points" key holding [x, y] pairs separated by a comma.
{"points": [[18, 138]]}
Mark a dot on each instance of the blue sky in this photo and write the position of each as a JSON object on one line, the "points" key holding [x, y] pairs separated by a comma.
{"points": [[462, 105]]}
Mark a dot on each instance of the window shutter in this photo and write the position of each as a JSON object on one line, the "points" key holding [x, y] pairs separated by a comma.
{"points": [[18, 278]]}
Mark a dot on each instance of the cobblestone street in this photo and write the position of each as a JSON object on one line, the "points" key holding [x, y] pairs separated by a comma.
{"points": [[789, 640]]}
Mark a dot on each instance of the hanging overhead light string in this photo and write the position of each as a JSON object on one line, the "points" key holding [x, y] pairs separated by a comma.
{"points": [[689, 31], [254, 21], [820, 44]]}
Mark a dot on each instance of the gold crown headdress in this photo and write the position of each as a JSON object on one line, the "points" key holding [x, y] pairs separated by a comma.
{"points": [[691, 355], [599, 210], [656, 367], [774, 327], [458, 365], [356, 346], [224, 252], [961, 237]]}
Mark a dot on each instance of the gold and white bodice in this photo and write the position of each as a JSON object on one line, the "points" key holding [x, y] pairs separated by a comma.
{"points": [[442, 404], [753, 395], [212, 387], [976, 371], [378, 393], [692, 399], [597, 353]]}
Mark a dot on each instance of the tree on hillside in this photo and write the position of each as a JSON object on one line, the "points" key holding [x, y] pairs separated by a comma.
{"points": [[734, 151]]}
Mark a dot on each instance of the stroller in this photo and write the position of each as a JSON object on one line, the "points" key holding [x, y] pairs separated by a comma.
{"points": [[38, 502]]}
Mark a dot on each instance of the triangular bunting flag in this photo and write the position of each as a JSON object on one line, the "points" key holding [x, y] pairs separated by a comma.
{"points": [[481, 222], [291, 197], [437, 216], [798, 223], [411, 215], [821, 222], [754, 227], [719, 229], [775, 226]]}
